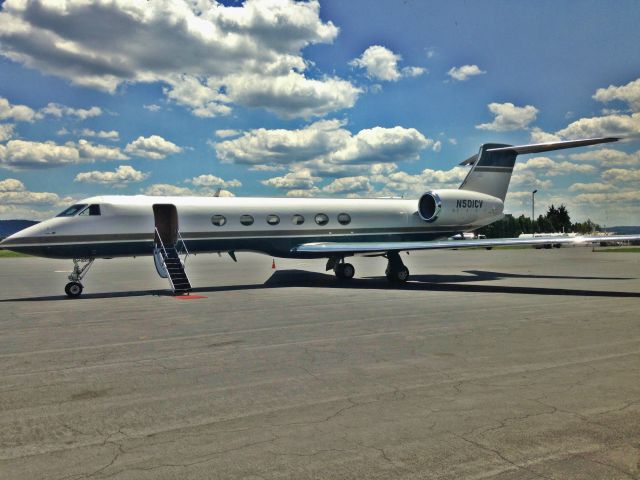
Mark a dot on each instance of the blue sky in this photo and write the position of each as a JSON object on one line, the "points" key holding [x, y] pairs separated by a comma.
{"points": [[328, 98]]}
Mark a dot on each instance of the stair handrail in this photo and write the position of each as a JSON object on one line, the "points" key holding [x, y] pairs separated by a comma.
{"points": [[184, 247], [164, 259]]}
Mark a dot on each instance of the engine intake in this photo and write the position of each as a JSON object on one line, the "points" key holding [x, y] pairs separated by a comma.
{"points": [[429, 206], [459, 207]]}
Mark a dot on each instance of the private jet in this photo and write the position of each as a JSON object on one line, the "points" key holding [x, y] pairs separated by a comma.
{"points": [[171, 228]]}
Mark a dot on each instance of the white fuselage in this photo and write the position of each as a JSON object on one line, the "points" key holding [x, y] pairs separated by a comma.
{"points": [[126, 224]]}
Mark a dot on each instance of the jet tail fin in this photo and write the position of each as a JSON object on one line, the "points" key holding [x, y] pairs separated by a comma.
{"points": [[493, 165]]}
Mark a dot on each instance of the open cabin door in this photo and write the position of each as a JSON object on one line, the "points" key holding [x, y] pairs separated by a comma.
{"points": [[166, 221], [168, 247]]}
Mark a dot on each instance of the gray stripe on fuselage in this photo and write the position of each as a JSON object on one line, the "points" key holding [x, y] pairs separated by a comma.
{"points": [[277, 246], [223, 235]]}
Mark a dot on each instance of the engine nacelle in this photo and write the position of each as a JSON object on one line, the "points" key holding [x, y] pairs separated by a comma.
{"points": [[459, 207]]}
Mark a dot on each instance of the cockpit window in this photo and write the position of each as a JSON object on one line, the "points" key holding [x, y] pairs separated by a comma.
{"points": [[72, 210], [91, 210]]}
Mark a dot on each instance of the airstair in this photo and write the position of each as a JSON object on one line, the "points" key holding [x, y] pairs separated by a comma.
{"points": [[168, 259]]}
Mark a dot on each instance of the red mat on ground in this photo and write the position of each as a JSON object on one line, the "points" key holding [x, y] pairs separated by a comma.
{"points": [[188, 297]]}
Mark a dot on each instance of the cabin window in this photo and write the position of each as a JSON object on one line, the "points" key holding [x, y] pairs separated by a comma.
{"points": [[297, 219], [72, 210], [344, 219], [246, 220], [322, 219], [273, 219], [218, 220], [92, 210]]}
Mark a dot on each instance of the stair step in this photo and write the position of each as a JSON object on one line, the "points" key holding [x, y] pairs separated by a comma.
{"points": [[175, 268]]}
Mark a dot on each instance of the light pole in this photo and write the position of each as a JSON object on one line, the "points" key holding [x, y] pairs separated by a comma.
{"points": [[533, 210]]}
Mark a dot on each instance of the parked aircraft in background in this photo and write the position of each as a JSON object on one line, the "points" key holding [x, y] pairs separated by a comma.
{"points": [[335, 229]]}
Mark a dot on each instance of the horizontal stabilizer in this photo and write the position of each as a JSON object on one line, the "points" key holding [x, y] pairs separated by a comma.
{"points": [[549, 146], [544, 147]]}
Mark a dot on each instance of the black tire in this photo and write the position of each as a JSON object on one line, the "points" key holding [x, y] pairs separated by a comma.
{"points": [[397, 276], [73, 289], [348, 271], [339, 270]]}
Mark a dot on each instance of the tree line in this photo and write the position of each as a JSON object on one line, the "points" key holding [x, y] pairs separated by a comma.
{"points": [[555, 220]]}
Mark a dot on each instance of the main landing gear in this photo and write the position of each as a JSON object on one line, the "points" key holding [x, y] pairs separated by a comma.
{"points": [[396, 271], [344, 271], [73, 289]]}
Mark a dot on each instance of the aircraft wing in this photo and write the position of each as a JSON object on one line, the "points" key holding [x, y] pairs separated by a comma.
{"points": [[330, 248]]}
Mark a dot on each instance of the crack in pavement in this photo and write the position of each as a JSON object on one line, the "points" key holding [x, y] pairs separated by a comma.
{"points": [[500, 455]]}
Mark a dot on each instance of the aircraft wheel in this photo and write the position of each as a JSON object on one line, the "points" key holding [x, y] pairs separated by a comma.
{"points": [[73, 289], [398, 276], [348, 271]]}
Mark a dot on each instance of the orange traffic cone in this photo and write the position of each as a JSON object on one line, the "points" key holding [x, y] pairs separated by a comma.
{"points": [[273, 263]]}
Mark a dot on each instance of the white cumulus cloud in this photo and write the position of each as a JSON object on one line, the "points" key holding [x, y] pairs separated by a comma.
{"points": [[226, 133], [15, 199], [629, 93], [292, 95], [591, 187], [26, 154], [465, 72], [509, 117], [154, 147], [22, 154], [622, 175], [90, 151], [324, 146], [105, 134], [301, 179], [382, 64], [550, 168], [207, 55], [608, 125], [11, 185], [345, 185], [407, 184], [608, 157], [166, 189], [18, 113], [6, 131], [213, 181], [59, 111], [301, 193], [123, 175]]}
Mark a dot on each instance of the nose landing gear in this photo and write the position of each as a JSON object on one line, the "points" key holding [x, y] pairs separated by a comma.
{"points": [[73, 289]]}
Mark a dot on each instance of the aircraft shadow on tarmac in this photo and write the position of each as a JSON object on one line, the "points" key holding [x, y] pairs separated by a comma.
{"points": [[436, 283]]}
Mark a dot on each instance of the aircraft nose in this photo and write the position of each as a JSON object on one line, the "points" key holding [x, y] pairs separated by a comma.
{"points": [[21, 237]]}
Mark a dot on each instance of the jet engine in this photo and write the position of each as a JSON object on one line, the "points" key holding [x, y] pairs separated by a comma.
{"points": [[458, 207]]}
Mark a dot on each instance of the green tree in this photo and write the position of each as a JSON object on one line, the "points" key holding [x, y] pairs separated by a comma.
{"points": [[555, 220]]}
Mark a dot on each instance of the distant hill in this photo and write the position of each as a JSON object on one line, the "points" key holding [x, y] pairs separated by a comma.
{"points": [[628, 230], [9, 227]]}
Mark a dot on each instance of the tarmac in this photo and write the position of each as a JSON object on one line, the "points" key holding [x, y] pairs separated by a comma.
{"points": [[502, 364]]}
